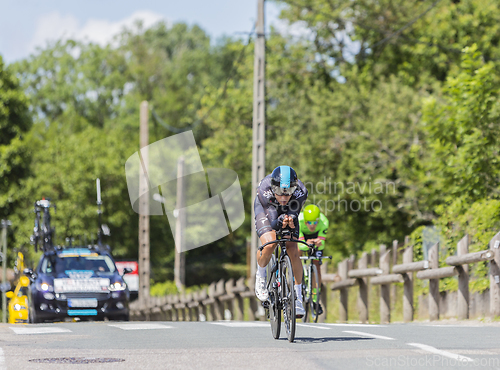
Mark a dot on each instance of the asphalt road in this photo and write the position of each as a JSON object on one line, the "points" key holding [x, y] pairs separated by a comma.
{"points": [[247, 345]]}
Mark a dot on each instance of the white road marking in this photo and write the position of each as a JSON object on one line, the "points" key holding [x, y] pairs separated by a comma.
{"points": [[242, 324], [452, 326], [141, 326], [313, 326], [368, 335], [481, 352], [2, 360], [441, 352], [39, 330], [358, 325]]}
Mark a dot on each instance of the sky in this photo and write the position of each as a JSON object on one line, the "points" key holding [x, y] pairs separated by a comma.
{"points": [[28, 24]]}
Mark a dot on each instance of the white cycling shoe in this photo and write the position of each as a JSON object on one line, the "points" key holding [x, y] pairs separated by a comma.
{"points": [[260, 288], [299, 309]]}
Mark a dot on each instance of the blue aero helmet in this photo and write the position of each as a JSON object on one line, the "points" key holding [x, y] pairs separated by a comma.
{"points": [[283, 180]]}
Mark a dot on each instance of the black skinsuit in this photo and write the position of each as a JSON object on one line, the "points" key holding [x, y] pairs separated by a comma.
{"points": [[267, 209]]}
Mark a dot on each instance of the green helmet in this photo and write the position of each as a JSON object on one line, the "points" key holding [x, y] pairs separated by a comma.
{"points": [[311, 213]]}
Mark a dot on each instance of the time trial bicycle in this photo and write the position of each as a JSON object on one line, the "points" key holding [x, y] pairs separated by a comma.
{"points": [[311, 289], [280, 285]]}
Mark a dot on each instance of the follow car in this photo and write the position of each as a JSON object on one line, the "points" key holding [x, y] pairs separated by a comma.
{"points": [[77, 282]]}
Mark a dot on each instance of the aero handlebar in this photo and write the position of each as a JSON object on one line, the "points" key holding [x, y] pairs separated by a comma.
{"points": [[282, 240]]}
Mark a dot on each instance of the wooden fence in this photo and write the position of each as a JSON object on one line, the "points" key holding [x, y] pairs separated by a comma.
{"points": [[225, 299], [221, 299]]}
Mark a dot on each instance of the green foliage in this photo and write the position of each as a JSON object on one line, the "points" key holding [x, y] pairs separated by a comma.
{"points": [[15, 151], [381, 114], [15, 121], [169, 287], [463, 129], [163, 289]]}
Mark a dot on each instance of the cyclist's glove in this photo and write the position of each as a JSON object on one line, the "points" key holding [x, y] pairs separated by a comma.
{"points": [[295, 220], [313, 252], [279, 221]]}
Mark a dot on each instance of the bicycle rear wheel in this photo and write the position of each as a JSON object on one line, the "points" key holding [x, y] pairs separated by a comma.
{"points": [[314, 298], [274, 311], [288, 298]]}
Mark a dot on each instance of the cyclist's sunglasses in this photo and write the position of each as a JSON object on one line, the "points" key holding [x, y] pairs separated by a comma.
{"points": [[312, 222], [283, 191]]}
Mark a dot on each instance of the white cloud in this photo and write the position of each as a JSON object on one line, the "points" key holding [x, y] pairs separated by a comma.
{"points": [[54, 26]]}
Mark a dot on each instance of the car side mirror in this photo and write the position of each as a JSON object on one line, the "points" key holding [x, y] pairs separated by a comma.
{"points": [[9, 294], [127, 270]]}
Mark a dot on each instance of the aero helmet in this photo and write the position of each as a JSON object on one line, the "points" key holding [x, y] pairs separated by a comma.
{"points": [[283, 180], [311, 213]]}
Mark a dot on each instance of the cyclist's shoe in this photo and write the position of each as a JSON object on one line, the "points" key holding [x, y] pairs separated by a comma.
{"points": [[299, 309], [319, 309], [260, 288]]}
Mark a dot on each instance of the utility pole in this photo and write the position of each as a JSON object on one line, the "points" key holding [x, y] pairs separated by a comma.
{"points": [[259, 123], [5, 225], [144, 211], [180, 256]]}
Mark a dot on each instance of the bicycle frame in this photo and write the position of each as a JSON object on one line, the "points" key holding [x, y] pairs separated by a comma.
{"points": [[43, 232]]}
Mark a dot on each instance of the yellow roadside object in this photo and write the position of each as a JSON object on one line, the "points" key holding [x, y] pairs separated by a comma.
{"points": [[18, 303]]}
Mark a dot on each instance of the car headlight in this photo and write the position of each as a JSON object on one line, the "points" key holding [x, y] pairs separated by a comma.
{"points": [[117, 286], [44, 286]]}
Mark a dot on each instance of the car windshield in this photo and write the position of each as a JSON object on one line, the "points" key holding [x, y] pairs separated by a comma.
{"points": [[98, 264]]}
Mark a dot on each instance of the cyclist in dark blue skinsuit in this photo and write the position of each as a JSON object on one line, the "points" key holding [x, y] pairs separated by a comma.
{"points": [[279, 200]]}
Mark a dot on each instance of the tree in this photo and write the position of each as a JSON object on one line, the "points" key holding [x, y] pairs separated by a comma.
{"points": [[15, 122], [462, 129], [418, 41], [85, 99]]}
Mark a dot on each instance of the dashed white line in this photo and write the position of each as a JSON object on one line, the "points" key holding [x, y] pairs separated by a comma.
{"points": [[242, 324], [314, 326], [375, 336], [141, 326], [2, 360], [39, 330], [430, 349]]}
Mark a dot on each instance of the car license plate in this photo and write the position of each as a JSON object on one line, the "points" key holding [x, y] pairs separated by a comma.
{"points": [[82, 302], [81, 285]]}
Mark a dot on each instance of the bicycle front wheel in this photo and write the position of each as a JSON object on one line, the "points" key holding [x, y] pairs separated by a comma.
{"points": [[314, 298], [288, 298], [274, 311]]}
